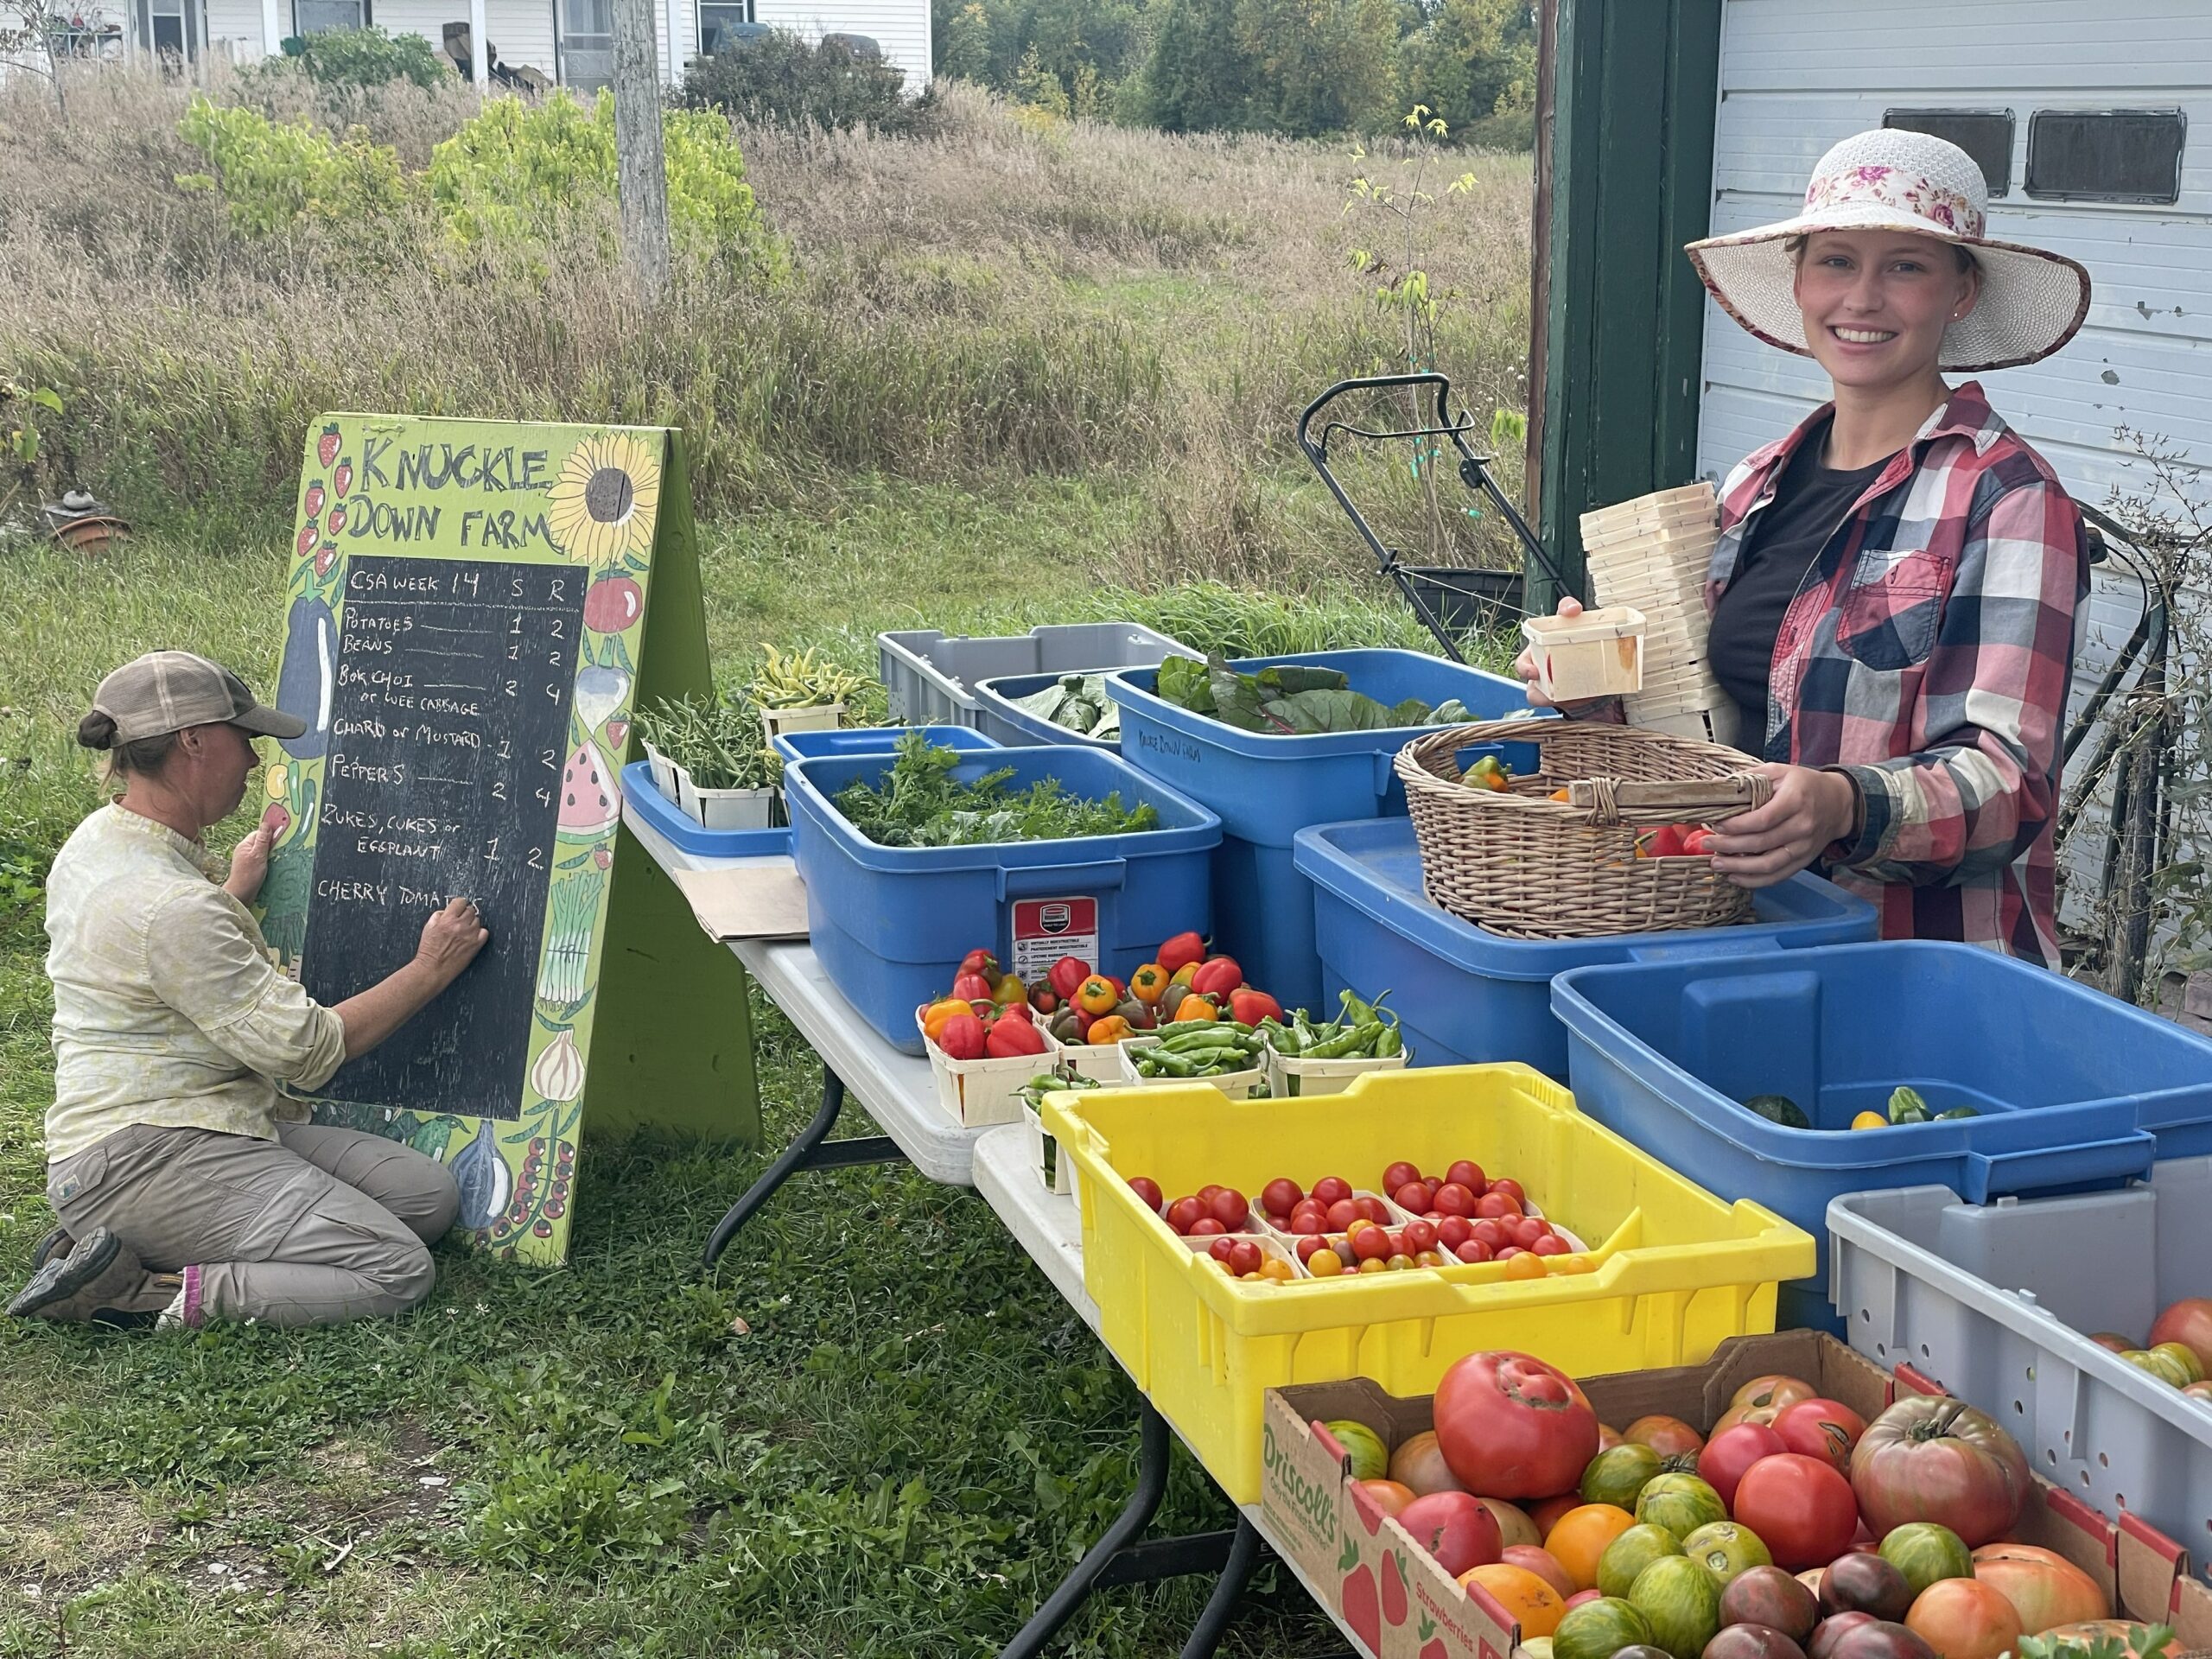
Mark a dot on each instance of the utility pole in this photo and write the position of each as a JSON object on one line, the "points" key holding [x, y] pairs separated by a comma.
{"points": [[640, 171]]}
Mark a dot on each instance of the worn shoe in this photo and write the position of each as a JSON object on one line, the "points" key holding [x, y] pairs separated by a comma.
{"points": [[57, 1242], [101, 1280]]}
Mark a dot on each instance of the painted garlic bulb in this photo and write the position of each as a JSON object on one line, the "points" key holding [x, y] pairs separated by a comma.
{"points": [[558, 1071]]}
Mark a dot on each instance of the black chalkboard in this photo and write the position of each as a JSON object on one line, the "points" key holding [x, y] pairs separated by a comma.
{"points": [[448, 729]]}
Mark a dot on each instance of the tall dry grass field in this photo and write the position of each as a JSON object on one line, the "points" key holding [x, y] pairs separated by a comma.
{"points": [[992, 303]]}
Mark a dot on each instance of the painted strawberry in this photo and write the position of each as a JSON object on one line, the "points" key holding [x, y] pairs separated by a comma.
{"points": [[326, 447], [1394, 1589], [337, 518], [314, 499], [618, 732], [305, 545], [600, 857], [1363, 1609], [323, 557]]}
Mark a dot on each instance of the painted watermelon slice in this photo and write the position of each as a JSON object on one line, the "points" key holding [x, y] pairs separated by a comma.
{"points": [[590, 802]]}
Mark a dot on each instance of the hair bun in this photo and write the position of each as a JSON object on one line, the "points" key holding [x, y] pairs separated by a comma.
{"points": [[96, 730]]}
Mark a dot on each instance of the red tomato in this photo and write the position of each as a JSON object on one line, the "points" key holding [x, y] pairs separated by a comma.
{"points": [[1420, 1236], [1329, 1188], [1206, 1227], [1148, 1189], [1526, 1230], [1491, 1233], [1821, 1428], [1454, 1231], [1230, 1208], [2187, 1322], [1342, 1212], [1281, 1196], [1468, 1173], [1453, 1199], [1371, 1243], [1310, 1244], [1398, 1175], [1509, 1252], [1221, 1247], [1458, 1530], [1244, 1256], [1513, 1190], [1551, 1244], [1670, 1437], [1206, 1193], [1374, 1210], [1931, 1457], [1473, 1250], [1313, 1223], [1512, 1427], [1415, 1196], [1965, 1618], [1799, 1506], [1183, 1213], [1494, 1203], [1730, 1451]]}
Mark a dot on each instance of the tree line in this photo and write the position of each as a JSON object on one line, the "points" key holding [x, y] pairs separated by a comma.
{"points": [[1298, 68]]}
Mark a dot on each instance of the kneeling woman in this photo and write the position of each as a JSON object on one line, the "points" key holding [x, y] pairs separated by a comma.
{"points": [[183, 1192]]}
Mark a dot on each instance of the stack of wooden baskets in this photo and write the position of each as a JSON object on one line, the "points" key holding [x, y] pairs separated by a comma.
{"points": [[1651, 553], [1520, 864]]}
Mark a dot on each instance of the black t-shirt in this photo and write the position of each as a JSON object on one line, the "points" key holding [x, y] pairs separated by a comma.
{"points": [[1810, 502]]}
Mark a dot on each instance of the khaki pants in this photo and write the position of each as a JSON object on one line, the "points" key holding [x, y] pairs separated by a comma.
{"points": [[321, 1226]]}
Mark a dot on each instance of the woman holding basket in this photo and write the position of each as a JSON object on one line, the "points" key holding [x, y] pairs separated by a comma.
{"points": [[1894, 588]]}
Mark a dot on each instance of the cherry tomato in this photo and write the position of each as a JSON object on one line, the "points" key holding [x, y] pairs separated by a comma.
{"points": [[1221, 1247], [1371, 1243], [1373, 1264], [1429, 1259], [1230, 1208], [1341, 1214], [1526, 1230], [1525, 1264], [1183, 1213], [1398, 1244], [1494, 1203], [1454, 1231], [1398, 1175], [1206, 1227], [1374, 1209], [1277, 1271], [1420, 1236], [1312, 1222], [1472, 1250], [1309, 1203], [1490, 1235], [1329, 1188], [1148, 1189], [1415, 1196], [1453, 1199], [1206, 1193], [1508, 1253], [1468, 1173], [1280, 1196], [1513, 1190], [1398, 1262], [1551, 1244], [1245, 1257], [1311, 1246], [1324, 1264]]}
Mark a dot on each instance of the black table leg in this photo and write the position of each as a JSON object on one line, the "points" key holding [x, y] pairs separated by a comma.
{"points": [[810, 1150], [1221, 1607]]}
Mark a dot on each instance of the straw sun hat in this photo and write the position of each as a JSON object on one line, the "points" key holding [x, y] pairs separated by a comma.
{"points": [[2030, 302]]}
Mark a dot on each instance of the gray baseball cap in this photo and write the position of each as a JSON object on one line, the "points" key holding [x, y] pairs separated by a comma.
{"points": [[168, 690]]}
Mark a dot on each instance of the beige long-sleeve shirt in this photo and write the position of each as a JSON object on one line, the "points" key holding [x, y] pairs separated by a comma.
{"points": [[167, 1007]]}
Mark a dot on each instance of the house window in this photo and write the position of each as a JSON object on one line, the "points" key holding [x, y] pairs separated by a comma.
{"points": [[1985, 135], [2106, 154], [588, 20], [166, 28], [320, 17], [722, 23]]}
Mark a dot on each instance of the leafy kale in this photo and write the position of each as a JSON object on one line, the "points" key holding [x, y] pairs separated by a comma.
{"points": [[918, 803], [1289, 699]]}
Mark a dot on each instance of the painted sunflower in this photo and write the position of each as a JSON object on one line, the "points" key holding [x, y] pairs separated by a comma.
{"points": [[603, 502]]}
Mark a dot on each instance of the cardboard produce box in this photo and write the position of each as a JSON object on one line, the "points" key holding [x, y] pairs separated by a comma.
{"points": [[1403, 1605]]}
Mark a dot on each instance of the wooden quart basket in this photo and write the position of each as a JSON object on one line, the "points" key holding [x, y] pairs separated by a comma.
{"points": [[1521, 864]]}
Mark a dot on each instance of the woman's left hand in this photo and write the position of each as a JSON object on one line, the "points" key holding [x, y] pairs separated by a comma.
{"points": [[1809, 810], [250, 863]]}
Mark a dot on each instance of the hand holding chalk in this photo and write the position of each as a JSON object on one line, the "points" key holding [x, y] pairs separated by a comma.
{"points": [[250, 863], [452, 938]]}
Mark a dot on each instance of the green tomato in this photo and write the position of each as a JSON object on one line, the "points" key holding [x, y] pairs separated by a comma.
{"points": [[1682, 1504], [1724, 1549], [1682, 1603], [1370, 1458], [1926, 1553]]}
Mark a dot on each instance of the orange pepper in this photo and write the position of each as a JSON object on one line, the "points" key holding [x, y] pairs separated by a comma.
{"points": [[1194, 1009], [1097, 995], [1149, 983], [937, 1012], [1110, 1029]]}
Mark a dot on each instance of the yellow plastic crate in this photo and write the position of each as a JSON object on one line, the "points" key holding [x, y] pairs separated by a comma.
{"points": [[1679, 1271]]}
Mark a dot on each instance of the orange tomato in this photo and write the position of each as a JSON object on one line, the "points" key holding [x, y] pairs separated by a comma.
{"points": [[1527, 1599], [1579, 1538], [2044, 1588], [1388, 1496], [1527, 1265], [1965, 1618], [1324, 1264]]}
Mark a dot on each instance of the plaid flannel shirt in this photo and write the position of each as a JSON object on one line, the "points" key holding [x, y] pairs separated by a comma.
{"points": [[1927, 655]]}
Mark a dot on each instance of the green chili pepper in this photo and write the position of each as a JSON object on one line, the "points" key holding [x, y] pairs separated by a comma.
{"points": [[1353, 1042], [1357, 1013], [1156, 1063], [1389, 1043]]}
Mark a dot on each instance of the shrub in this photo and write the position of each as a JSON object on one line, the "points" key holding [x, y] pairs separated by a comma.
{"points": [[271, 173], [369, 57], [780, 78]]}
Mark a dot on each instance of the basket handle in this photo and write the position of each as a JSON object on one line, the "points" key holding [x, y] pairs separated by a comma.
{"points": [[1606, 799]]}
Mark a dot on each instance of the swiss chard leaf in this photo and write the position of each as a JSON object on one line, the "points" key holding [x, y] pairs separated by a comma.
{"points": [[1186, 682], [1288, 679]]}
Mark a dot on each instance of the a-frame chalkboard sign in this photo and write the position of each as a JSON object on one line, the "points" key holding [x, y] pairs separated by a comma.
{"points": [[477, 610]]}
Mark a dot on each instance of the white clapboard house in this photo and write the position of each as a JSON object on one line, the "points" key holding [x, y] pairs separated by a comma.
{"points": [[2093, 122], [567, 42]]}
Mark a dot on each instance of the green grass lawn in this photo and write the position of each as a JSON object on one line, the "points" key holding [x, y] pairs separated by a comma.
{"points": [[876, 1430]]}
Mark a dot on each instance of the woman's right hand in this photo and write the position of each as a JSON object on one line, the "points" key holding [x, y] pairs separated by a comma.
{"points": [[451, 939]]}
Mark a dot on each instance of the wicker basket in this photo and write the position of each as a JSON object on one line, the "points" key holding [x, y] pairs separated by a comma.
{"points": [[1521, 864]]}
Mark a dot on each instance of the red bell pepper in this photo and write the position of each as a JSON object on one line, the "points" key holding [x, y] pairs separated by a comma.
{"points": [[972, 988], [1066, 975], [1009, 1037], [961, 1038], [1217, 977], [980, 962], [1180, 951], [1250, 1007]]}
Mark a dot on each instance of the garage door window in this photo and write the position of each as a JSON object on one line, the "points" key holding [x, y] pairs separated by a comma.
{"points": [[1985, 135], [2106, 154]]}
